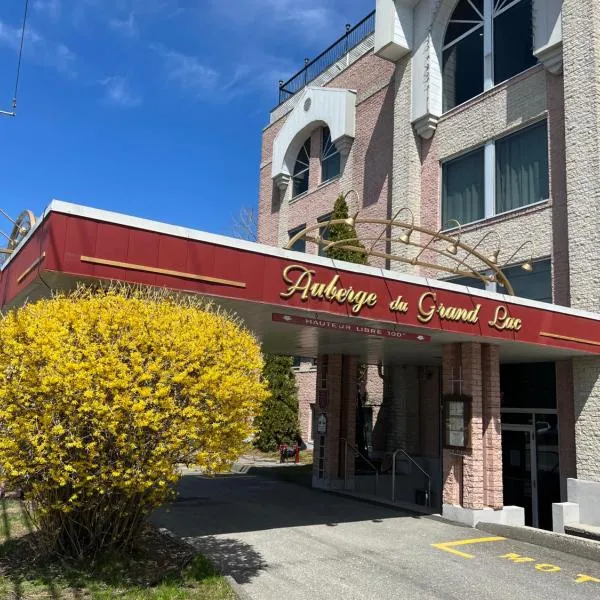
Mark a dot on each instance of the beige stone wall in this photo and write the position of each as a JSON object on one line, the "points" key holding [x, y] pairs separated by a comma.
{"points": [[581, 52]]}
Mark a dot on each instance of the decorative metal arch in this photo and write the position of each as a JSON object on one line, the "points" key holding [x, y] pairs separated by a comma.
{"points": [[21, 227], [468, 263]]}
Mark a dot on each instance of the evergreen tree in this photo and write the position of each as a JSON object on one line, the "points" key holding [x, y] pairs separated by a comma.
{"points": [[343, 231], [339, 232], [278, 421]]}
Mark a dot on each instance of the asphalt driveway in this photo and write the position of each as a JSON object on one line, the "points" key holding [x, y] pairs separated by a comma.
{"points": [[284, 541]]}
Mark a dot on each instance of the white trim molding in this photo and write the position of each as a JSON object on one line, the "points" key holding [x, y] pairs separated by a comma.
{"points": [[394, 28], [547, 31], [426, 125], [317, 107]]}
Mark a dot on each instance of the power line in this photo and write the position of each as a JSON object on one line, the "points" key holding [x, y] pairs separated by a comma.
{"points": [[13, 113]]}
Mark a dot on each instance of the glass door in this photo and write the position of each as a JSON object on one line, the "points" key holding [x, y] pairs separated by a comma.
{"points": [[520, 470]]}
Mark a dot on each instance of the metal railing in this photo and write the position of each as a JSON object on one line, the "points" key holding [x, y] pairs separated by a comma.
{"points": [[313, 68], [414, 462], [356, 454]]}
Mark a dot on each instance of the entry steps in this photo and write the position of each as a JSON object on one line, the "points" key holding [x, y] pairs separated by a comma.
{"points": [[589, 532]]}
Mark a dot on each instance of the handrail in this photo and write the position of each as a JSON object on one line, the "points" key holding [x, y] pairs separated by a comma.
{"points": [[414, 462], [347, 445], [312, 69]]}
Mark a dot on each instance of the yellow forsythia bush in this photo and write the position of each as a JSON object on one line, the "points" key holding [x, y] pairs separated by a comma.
{"points": [[103, 393]]}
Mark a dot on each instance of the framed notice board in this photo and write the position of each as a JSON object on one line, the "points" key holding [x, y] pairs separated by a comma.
{"points": [[457, 422]]}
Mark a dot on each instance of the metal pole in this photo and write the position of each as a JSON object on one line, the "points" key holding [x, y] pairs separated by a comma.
{"points": [[345, 465], [394, 477]]}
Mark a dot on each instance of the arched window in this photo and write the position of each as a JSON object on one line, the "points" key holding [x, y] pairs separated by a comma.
{"points": [[330, 158], [301, 170], [485, 46]]}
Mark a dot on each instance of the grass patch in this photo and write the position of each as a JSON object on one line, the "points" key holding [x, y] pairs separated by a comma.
{"points": [[160, 568]]}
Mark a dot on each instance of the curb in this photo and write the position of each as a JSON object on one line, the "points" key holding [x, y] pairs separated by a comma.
{"points": [[561, 542], [238, 590]]}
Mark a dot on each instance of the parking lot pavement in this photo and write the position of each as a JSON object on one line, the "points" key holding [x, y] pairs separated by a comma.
{"points": [[280, 540]]}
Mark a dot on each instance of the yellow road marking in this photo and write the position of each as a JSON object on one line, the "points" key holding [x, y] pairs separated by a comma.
{"points": [[450, 546]]}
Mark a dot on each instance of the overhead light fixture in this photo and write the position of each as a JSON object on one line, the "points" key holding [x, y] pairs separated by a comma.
{"points": [[405, 237], [493, 257], [527, 266], [351, 221], [453, 247]]}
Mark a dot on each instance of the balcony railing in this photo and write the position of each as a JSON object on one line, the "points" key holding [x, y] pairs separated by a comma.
{"points": [[312, 69]]}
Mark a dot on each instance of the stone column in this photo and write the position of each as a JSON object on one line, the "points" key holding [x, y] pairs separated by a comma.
{"points": [[581, 57], [492, 427], [473, 493], [473, 477], [566, 424], [452, 464], [336, 399]]}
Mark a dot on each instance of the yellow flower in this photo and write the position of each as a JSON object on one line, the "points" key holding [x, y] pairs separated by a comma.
{"points": [[102, 393]]}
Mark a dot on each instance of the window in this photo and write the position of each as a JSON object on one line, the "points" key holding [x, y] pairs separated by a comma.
{"points": [[330, 157], [301, 170], [506, 29], [299, 245], [324, 232], [536, 285], [522, 168], [502, 176], [463, 196], [471, 282]]}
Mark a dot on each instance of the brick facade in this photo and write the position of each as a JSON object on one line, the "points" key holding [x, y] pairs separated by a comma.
{"points": [[473, 478], [391, 167]]}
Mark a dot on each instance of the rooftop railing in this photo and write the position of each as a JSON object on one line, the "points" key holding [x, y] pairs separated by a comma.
{"points": [[313, 68]]}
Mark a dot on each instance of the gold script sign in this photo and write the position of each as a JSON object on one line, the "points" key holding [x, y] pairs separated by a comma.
{"points": [[428, 308], [300, 280]]}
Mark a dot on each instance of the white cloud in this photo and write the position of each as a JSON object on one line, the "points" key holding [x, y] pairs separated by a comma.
{"points": [[188, 72], [117, 92], [302, 18], [127, 26], [124, 16], [45, 52], [49, 8]]}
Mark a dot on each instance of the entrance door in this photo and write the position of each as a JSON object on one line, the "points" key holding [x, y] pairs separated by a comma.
{"points": [[520, 470]]}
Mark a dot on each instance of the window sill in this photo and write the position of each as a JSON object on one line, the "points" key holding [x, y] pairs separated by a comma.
{"points": [[510, 214], [329, 181], [299, 197]]}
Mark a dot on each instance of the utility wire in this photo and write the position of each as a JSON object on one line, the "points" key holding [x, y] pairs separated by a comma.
{"points": [[14, 102]]}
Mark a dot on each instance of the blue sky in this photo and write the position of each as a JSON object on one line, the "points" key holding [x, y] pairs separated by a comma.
{"points": [[150, 107]]}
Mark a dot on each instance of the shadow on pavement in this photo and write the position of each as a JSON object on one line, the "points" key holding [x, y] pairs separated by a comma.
{"points": [[231, 557], [238, 503]]}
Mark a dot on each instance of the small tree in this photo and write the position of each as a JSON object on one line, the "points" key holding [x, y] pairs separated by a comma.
{"points": [[338, 233], [343, 231], [103, 393], [278, 420]]}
